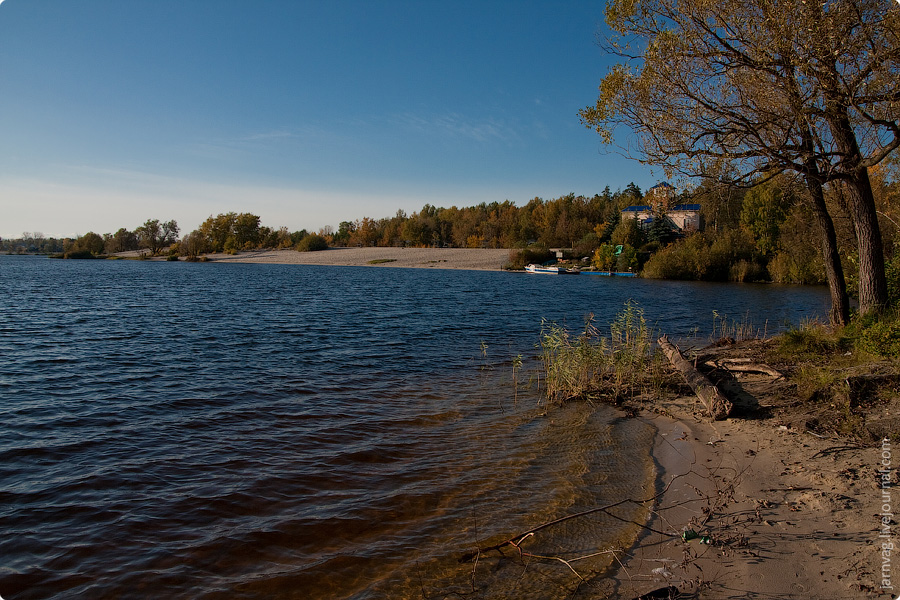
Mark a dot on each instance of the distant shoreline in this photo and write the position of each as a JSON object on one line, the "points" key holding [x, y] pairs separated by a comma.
{"points": [[473, 259]]}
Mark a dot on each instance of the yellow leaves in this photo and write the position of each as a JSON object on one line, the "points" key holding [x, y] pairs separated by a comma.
{"points": [[619, 11], [602, 116]]}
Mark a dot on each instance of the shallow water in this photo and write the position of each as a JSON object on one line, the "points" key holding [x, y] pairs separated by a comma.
{"points": [[206, 431]]}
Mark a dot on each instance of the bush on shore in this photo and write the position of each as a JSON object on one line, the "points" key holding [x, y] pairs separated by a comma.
{"points": [[619, 367], [877, 334], [723, 256], [312, 243]]}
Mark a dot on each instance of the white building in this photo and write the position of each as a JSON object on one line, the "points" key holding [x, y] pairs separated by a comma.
{"points": [[660, 204]]}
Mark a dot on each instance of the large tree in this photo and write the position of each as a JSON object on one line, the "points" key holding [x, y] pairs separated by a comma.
{"points": [[155, 236], [764, 86]]}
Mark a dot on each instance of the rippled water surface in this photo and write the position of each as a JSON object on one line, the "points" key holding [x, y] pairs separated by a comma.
{"points": [[277, 431]]}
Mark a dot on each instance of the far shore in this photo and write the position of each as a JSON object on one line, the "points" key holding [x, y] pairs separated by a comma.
{"points": [[473, 259]]}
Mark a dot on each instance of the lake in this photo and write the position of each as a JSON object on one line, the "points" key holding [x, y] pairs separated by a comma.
{"points": [[204, 430]]}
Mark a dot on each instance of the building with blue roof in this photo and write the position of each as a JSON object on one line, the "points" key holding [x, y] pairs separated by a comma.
{"points": [[660, 200]]}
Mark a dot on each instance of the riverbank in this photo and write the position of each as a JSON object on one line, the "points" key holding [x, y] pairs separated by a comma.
{"points": [[475, 259], [771, 510]]}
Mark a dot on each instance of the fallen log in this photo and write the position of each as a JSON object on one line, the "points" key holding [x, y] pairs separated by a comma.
{"points": [[717, 405]]}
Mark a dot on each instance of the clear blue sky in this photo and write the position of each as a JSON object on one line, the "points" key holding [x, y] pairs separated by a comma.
{"points": [[305, 113]]}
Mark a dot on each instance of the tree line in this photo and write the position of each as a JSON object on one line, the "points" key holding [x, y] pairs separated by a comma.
{"points": [[560, 222]]}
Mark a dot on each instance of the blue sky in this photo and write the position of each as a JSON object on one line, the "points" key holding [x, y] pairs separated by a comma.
{"points": [[305, 113]]}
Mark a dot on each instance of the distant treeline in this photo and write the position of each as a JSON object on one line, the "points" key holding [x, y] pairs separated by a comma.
{"points": [[562, 222], [764, 233]]}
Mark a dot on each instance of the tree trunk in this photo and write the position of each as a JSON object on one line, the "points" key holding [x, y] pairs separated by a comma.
{"points": [[834, 271], [873, 294]]}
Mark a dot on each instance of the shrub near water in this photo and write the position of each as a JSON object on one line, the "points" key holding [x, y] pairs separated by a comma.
{"points": [[590, 364], [520, 257], [880, 335], [723, 256], [571, 367]]}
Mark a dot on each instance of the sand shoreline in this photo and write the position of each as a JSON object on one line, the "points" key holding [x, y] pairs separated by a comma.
{"points": [[788, 514], [475, 259]]}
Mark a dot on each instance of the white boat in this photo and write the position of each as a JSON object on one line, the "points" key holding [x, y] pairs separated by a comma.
{"points": [[542, 269]]}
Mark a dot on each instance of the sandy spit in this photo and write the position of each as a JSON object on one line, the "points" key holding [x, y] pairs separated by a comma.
{"points": [[418, 258]]}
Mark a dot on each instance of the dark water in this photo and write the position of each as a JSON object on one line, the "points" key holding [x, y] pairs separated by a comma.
{"points": [[265, 431]]}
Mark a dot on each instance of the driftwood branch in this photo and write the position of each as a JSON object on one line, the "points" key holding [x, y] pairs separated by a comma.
{"points": [[744, 365], [717, 405]]}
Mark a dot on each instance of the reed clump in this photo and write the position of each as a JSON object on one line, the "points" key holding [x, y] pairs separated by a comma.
{"points": [[724, 328], [616, 367]]}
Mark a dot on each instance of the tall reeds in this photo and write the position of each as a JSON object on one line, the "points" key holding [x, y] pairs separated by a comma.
{"points": [[725, 328], [590, 364]]}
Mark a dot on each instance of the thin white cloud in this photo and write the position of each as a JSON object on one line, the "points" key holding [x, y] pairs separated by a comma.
{"points": [[226, 147], [306, 138], [455, 125]]}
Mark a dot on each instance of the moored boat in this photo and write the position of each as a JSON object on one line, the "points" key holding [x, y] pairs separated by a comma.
{"points": [[543, 269]]}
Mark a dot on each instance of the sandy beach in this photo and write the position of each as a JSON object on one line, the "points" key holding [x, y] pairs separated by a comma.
{"points": [[778, 511], [787, 516], [418, 258]]}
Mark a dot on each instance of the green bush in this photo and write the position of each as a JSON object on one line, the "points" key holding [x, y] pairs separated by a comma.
{"points": [[812, 339], [312, 243], [880, 335], [687, 259], [727, 249], [892, 273], [745, 271], [797, 266], [723, 256]]}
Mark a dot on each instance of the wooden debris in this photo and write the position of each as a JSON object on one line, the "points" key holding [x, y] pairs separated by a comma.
{"points": [[718, 407], [744, 365]]}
